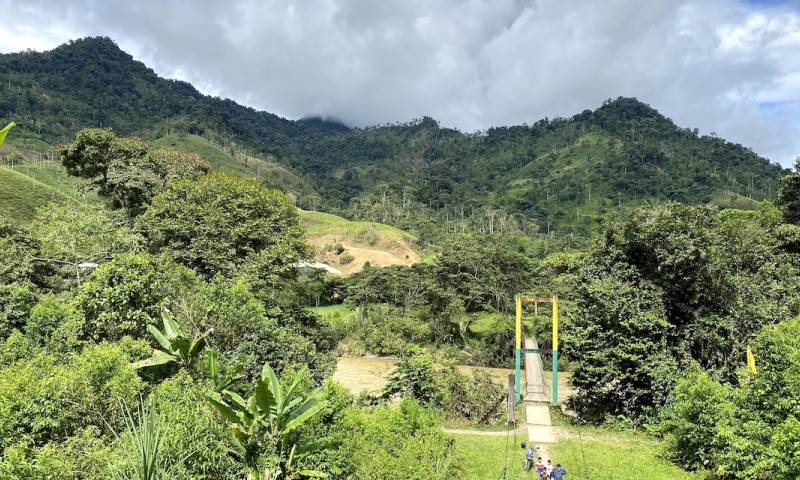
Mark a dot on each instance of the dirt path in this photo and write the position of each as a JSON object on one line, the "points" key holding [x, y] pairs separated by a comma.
{"points": [[359, 374]]}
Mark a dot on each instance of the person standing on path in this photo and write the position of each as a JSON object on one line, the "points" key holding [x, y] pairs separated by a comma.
{"points": [[528, 458], [558, 472]]}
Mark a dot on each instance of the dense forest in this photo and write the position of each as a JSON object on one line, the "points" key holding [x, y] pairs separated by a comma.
{"points": [[552, 176]]}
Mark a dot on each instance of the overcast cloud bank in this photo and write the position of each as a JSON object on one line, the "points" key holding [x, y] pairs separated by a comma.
{"points": [[723, 66]]}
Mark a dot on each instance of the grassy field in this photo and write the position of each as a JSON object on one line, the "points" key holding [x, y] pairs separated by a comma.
{"points": [[484, 457], [339, 316], [616, 457], [608, 456], [380, 245], [319, 224], [21, 194], [268, 172]]}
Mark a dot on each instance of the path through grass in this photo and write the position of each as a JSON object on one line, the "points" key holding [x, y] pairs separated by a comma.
{"points": [[608, 456]]}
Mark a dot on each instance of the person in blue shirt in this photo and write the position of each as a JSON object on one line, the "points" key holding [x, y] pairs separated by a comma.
{"points": [[558, 472], [528, 458]]}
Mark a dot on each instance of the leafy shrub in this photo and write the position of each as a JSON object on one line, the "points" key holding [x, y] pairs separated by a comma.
{"points": [[22, 462], [494, 347], [748, 431], [346, 258], [696, 406], [194, 431], [338, 248], [405, 442], [475, 397], [55, 324], [127, 293], [218, 222], [383, 330], [368, 236], [16, 302], [46, 398]]}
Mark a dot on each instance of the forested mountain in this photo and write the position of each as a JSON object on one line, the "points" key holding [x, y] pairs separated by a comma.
{"points": [[559, 174]]}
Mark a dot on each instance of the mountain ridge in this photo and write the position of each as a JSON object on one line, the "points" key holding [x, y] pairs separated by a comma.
{"points": [[564, 172]]}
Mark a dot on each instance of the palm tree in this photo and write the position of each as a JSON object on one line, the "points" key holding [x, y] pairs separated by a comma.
{"points": [[263, 425]]}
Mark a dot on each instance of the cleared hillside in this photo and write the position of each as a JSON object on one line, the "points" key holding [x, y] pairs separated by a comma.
{"points": [[380, 245]]}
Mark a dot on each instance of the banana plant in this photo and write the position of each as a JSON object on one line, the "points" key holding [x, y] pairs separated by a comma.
{"points": [[263, 425], [222, 380], [177, 348], [5, 131]]}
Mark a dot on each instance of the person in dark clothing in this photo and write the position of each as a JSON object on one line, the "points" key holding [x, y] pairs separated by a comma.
{"points": [[558, 472]]}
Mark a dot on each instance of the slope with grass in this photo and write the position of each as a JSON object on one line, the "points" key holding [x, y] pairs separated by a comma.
{"points": [[378, 244], [21, 192], [232, 159]]}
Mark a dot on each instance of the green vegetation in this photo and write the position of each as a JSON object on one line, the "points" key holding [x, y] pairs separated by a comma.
{"points": [[561, 175], [660, 303], [264, 425], [666, 288], [20, 194], [606, 456], [616, 457], [319, 224]]}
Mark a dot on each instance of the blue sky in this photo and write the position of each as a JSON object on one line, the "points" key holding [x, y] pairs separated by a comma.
{"points": [[725, 66]]}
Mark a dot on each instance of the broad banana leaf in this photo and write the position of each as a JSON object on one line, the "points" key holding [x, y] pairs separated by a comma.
{"points": [[230, 415], [162, 340], [268, 375], [158, 358], [5, 131], [308, 409], [170, 327], [312, 474], [297, 379], [264, 398]]}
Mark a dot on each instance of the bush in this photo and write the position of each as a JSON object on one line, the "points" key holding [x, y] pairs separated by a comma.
{"points": [[493, 348], [127, 293], [47, 398], [405, 442], [749, 431], [338, 248], [474, 397], [695, 408], [218, 222], [383, 330], [55, 325], [16, 302], [346, 258], [195, 431]]}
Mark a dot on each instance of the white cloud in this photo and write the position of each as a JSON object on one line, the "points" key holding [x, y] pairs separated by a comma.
{"points": [[719, 65]]}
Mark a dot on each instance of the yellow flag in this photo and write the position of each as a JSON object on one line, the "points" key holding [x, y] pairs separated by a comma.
{"points": [[5, 131], [751, 360]]}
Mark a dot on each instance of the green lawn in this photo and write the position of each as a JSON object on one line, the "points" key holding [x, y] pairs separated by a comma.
{"points": [[340, 317], [484, 457], [617, 457], [608, 456]]}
